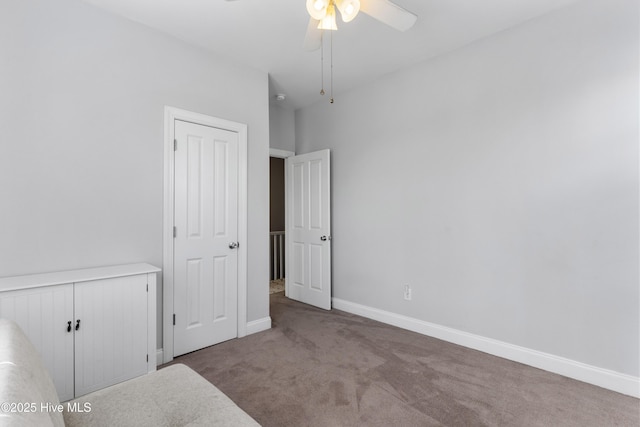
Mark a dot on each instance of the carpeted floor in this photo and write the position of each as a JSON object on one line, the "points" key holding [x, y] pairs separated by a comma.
{"points": [[276, 286], [319, 368]]}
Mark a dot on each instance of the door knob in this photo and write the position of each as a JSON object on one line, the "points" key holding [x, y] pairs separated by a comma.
{"points": [[325, 238], [233, 245]]}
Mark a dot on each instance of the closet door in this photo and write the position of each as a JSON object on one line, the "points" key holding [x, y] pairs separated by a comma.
{"points": [[45, 315], [110, 328]]}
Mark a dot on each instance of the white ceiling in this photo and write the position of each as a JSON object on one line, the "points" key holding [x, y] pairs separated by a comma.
{"points": [[268, 35]]}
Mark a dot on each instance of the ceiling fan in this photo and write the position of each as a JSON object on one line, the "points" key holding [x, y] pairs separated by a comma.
{"points": [[323, 16]]}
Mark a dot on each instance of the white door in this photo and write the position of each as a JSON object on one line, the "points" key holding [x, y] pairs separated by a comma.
{"points": [[206, 236], [308, 230], [110, 327], [46, 317]]}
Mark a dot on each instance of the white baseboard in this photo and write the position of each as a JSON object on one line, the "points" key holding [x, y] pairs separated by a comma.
{"points": [[621, 383], [258, 325], [252, 328]]}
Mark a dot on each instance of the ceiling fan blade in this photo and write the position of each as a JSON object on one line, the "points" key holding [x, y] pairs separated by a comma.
{"points": [[313, 38], [389, 13]]}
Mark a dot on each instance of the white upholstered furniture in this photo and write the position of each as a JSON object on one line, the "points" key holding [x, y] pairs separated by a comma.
{"points": [[173, 396]]}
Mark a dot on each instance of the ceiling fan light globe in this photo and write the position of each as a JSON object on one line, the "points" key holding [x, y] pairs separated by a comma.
{"points": [[329, 21], [319, 5], [317, 8], [348, 9]]}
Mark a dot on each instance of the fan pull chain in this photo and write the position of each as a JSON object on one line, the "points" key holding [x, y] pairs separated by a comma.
{"points": [[322, 63], [331, 75]]}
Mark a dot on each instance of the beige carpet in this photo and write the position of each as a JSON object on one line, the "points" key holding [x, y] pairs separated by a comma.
{"points": [[331, 368], [276, 286]]}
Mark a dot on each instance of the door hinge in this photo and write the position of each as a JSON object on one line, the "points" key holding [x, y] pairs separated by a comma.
{"points": [[175, 232], [147, 357], [174, 319], [175, 145], [147, 287]]}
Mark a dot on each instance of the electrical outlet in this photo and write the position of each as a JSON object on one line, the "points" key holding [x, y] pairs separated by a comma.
{"points": [[407, 292]]}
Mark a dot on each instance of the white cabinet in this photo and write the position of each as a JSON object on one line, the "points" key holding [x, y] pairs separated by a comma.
{"points": [[43, 314], [111, 339], [93, 327]]}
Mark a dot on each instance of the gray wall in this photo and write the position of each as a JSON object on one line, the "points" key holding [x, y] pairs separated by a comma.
{"points": [[81, 169], [281, 128], [500, 182]]}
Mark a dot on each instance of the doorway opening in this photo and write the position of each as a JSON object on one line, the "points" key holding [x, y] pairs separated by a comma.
{"points": [[276, 224], [307, 228], [277, 219]]}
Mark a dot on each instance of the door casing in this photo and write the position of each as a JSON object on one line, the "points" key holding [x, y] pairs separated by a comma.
{"points": [[171, 114], [283, 154]]}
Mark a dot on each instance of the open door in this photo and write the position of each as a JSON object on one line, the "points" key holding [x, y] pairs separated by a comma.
{"points": [[308, 229]]}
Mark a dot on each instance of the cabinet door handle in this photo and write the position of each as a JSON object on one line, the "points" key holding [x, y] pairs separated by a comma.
{"points": [[77, 324], [69, 326]]}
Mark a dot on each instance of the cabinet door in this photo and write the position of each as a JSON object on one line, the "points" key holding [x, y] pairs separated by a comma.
{"points": [[44, 315], [111, 339]]}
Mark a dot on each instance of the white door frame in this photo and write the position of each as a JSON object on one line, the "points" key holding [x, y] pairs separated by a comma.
{"points": [[284, 154], [172, 114]]}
